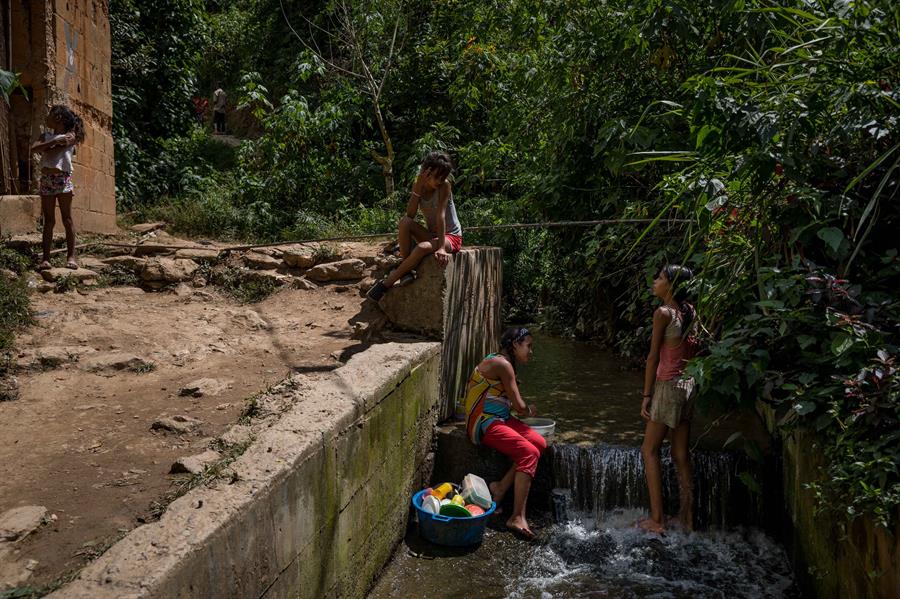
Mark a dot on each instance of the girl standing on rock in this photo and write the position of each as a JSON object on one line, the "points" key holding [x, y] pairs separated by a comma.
{"points": [[491, 392], [57, 149], [668, 403]]}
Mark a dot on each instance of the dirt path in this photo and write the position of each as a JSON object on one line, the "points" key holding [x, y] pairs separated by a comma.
{"points": [[79, 439]]}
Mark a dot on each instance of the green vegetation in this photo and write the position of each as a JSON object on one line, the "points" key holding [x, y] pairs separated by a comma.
{"points": [[246, 287], [15, 308], [770, 125]]}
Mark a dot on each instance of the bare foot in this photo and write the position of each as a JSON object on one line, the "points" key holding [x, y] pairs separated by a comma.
{"points": [[651, 525], [45, 265], [519, 527]]}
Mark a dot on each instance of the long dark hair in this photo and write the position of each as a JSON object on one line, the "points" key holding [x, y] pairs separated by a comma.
{"points": [[69, 120], [508, 340], [678, 276]]}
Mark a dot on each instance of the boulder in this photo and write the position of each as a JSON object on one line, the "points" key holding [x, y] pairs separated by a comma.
{"points": [[160, 243], [52, 356], [146, 227], [14, 570], [265, 276], [115, 361], [176, 424], [304, 283], [183, 290], [299, 256], [198, 255], [239, 434], [387, 262], [342, 270], [204, 387], [261, 261], [168, 270], [195, 464], [132, 262], [53, 275], [20, 521], [91, 263]]}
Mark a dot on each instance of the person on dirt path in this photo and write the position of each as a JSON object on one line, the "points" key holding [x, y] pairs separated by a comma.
{"points": [[433, 194], [220, 99], [57, 147], [668, 403], [201, 106], [491, 391]]}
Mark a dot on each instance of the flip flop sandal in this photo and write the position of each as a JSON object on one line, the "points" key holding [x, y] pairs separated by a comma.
{"points": [[72, 265]]}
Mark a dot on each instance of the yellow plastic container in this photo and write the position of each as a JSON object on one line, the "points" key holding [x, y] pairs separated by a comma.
{"points": [[442, 490]]}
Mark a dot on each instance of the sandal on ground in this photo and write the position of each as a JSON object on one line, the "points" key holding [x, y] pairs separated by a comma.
{"points": [[44, 266], [72, 265], [376, 292]]}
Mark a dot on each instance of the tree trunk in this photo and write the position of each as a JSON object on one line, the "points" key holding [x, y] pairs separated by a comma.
{"points": [[386, 162]]}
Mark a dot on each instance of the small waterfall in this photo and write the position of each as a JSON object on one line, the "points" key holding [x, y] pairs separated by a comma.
{"points": [[603, 478]]}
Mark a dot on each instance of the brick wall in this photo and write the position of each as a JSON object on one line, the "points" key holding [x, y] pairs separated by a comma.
{"points": [[80, 76]]}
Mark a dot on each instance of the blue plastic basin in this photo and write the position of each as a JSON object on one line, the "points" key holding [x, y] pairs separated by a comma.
{"points": [[448, 530]]}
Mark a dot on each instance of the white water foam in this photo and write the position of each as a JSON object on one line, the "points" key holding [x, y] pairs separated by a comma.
{"points": [[612, 558]]}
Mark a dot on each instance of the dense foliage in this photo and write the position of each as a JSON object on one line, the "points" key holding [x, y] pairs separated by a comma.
{"points": [[770, 126]]}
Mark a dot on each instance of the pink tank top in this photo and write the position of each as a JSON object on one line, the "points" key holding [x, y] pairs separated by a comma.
{"points": [[671, 362], [672, 359]]}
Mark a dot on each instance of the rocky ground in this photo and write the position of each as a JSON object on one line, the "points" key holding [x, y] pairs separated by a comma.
{"points": [[138, 363]]}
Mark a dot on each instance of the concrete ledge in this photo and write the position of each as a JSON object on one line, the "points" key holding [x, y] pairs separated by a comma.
{"points": [[19, 214], [460, 305], [319, 503]]}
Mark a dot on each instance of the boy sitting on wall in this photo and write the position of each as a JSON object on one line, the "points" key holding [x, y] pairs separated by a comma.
{"points": [[433, 194]]}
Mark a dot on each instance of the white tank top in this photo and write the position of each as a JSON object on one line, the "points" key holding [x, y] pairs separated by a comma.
{"points": [[451, 220]]}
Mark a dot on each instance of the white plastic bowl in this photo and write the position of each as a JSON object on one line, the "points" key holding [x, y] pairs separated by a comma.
{"points": [[542, 426]]}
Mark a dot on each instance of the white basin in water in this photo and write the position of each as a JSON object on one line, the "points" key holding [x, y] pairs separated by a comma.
{"points": [[542, 426]]}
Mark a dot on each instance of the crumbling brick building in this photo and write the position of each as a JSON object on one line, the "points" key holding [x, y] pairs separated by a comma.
{"points": [[61, 51]]}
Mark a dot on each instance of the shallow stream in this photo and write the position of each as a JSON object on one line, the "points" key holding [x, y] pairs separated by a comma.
{"points": [[588, 547]]}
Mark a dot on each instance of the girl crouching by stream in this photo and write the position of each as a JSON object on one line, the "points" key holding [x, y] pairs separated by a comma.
{"points": [[492, 390], [668, 396]]}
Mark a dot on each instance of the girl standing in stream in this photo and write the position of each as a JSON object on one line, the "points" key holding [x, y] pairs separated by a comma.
{"points": [[667, 404], [491, 392]]}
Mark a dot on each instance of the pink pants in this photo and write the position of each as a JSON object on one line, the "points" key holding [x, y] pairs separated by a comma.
{"points": [[516, 440]]}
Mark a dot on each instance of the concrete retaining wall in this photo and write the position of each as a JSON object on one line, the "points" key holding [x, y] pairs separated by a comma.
{"points": [[460, 305], [832, 557], [319, 503], [20, 214]]}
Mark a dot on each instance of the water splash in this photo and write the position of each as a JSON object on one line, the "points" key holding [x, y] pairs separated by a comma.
{"points": [[610, 558], [602, 478]]}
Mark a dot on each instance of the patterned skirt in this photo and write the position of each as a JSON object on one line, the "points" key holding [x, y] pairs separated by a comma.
{"points": [[56, 183]]}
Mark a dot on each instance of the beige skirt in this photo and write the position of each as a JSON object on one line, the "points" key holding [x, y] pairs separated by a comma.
{"points": [[673, 402]]}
